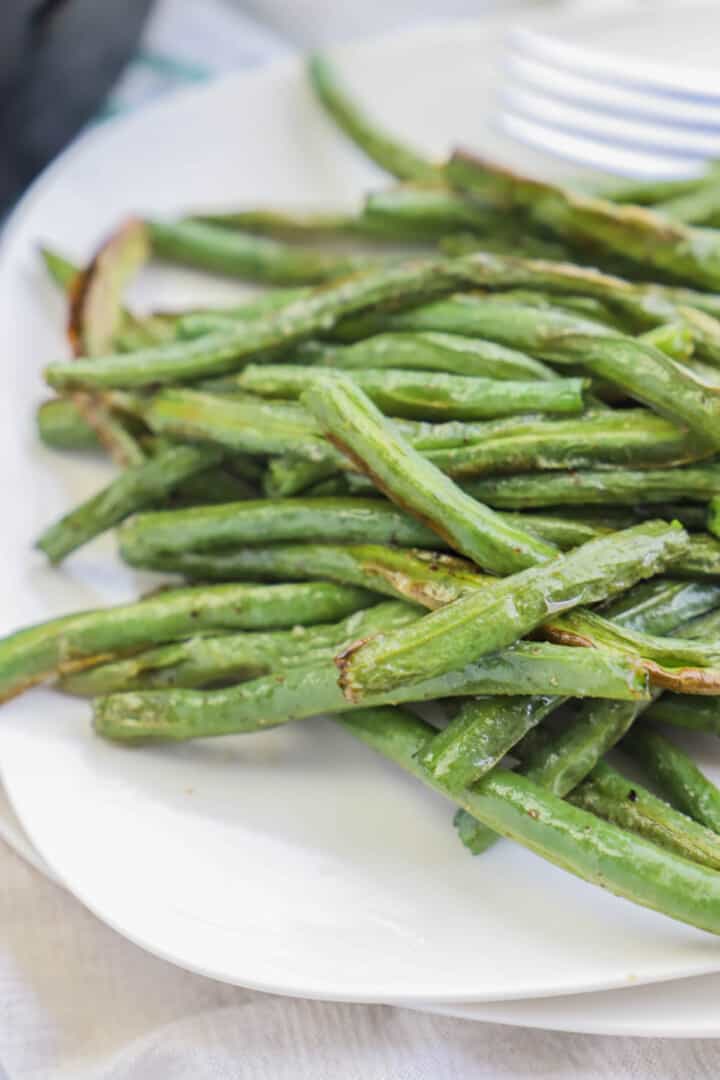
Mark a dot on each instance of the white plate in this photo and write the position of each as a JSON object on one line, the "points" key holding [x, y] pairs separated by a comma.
{"points": [[293, 861], [679, 1009]]}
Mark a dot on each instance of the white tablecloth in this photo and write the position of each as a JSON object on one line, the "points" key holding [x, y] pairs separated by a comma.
{"points": [[78, 1002]]}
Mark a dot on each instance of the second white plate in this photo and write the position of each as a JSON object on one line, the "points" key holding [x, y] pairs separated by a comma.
{"points": [[679, 1009]]}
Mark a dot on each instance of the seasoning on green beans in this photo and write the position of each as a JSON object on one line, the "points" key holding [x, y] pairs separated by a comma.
{"points": [[490, 618]]}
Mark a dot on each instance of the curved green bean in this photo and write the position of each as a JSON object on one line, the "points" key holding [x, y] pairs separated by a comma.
{"points": [[635, 233], [677, 776], [423, 577], [137, 487], [430, 351], [357, 427], [227, 350], [623, 802], [613, 487], [231, 658], [425, 394], [385, 150], [73, 642], [61, 425], [253, 258]]}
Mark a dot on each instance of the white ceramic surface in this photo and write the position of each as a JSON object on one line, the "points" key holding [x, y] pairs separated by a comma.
{"points": [[678, 1009], [293, 861]]}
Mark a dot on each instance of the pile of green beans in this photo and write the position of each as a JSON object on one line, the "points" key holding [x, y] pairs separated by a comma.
{"points": [[484, 474]]}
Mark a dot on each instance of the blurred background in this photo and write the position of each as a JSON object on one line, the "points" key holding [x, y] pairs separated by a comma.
{"points": [[68, 63]]}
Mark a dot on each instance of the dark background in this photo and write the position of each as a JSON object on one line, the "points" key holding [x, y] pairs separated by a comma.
{"points": [[58, 60]]}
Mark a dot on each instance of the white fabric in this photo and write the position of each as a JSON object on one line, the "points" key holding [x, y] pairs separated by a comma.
{"points": [[78, 1002]]}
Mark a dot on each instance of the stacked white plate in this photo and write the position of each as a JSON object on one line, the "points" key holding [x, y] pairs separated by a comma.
{"points": [[294, 861]]}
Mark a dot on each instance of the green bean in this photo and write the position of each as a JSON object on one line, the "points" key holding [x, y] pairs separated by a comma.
{"points": [[700, 562], [518, 444], [359, 429], [609, 487], [621, 517], [478, 738], [713, 521], [634, 437], [649, 192], [559, 762], [567, 528], [650, 377], [337, 485], [703, 625], [625, 803], [427, 394], [308, 690], [584, 845], [655, 607], [564, 532], [490, 317], [693, 713], [588, 307], [61, 425], [217, 485], [700, 206], [634, 233], [702, 559], [96, 311], [660, 606], [227, 350], [696, 713], [385, 150], [423, 577], [73, 642], [290, 475], [232, 658], [301, 225], [254, 258], [250, 427], [436, 211], [60, 270], [111, 431], [677, 776], [145, 331], [637, 367], [139, 486], [691, 667], [347, 520], [486, 729], [490, 618], [96, 316], [675, 339], [450, 353], [514, 237], [194, 324], [646, 306]]}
